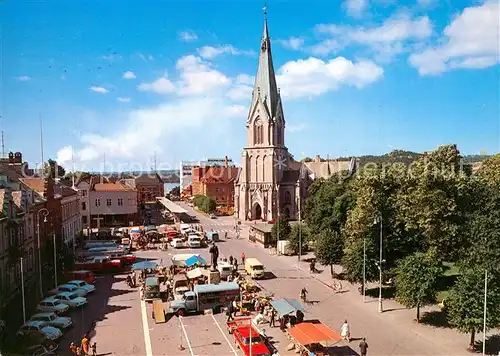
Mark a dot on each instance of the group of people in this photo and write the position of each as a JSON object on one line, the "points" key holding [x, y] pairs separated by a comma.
{"points": [[84, 348]]}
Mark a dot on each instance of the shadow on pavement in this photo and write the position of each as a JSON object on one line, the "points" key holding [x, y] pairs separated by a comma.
{"points": [[435, 318], [387, 292], [492, 345], [118, 292], [269, 275], [341, 351]]}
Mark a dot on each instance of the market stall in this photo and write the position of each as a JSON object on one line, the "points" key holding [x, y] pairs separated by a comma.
{"points": [[285, 306], [313, 338]]}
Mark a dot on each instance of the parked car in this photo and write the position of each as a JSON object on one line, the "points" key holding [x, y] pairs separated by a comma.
{"points": [[177, 243], [69, 288], [194, 241], [41, 350], [244, 333], [72, 299], [50, 332], [51, 305], [60, 322], [89, 288]]}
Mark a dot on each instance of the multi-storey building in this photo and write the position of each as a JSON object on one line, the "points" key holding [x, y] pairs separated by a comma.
{"points": [[186, 168], [105, 203], [148, 186]]}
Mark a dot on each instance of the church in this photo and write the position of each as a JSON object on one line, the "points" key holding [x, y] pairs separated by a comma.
{"points": [[270, 182]]}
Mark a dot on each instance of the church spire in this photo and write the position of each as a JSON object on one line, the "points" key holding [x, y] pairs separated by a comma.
{"points": [[265, 80]]}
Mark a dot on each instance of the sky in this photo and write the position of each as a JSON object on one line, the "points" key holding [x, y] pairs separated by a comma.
{"points": [[119, 83]]}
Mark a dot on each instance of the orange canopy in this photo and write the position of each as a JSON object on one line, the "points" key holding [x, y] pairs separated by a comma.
{"points": [[310, 333]]}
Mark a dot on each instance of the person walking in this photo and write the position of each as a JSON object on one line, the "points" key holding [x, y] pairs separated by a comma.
{"points": [[72, 348], [85, 345], [243, 258], [231, 260], [94, 349], [363, 347], [229, 312], [273, 316], [345, 331], [78, 352]]}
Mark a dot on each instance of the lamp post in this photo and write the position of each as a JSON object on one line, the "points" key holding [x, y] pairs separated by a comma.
{"points": [[380, 306], [55, 261], [45, 213], [22, 291], [300, 231]]}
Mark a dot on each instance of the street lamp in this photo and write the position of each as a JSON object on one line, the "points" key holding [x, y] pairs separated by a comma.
{"points": [[55, 261], [380, 306], [22, 290], [45, 213]]}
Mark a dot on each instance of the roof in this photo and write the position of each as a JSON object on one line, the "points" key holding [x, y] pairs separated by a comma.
{"points": [[311, 333], [265, 88], [262, 227], [171, 206], [290, 176], [286, 306], [326, 169], [112, 187], [214, 288], [36, 184], [64, 191], [220, 174]]}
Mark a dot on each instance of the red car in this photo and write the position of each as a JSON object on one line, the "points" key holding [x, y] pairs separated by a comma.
{"points": [[244, 332]]}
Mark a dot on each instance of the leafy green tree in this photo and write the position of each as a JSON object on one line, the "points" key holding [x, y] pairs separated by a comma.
{"points": [[465, 304], [209, 205], [198, 200], [298, 238], [353, 261], [329, 248], [490, 169], [281, 229], [54, 169], [416, 280]]}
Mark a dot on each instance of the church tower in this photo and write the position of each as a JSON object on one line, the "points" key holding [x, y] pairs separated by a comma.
{"points": [[265, 156]]}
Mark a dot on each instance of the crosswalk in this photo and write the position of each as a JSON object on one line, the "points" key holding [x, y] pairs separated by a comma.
{"points": [[221, 228]]}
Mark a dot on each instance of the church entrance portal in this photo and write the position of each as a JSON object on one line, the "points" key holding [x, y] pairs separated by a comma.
{"points": [[257, 212]]}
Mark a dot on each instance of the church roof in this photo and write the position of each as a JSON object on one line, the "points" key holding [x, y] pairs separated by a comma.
{"points": [[326, 169], [290, 176], [265, 87]]}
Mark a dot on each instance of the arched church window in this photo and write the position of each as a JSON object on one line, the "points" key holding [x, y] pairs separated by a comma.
{"points": [[288, 197], [258, 132]]}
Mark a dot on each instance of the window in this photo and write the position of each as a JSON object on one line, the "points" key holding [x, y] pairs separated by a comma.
{"points": [[84, 220], [98, 202], [84, 206], [108, 202], [84, 193], [288, 198], [120, 201]]}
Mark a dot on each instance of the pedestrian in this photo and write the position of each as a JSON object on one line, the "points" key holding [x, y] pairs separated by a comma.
{"points": [[225, 235], [363, 347], [229, 312], [345, 331], [94, 349], [85, 345], [300, 316], [78, 352], [72, 348], [273, 316], [243, 258], [231, 260]]}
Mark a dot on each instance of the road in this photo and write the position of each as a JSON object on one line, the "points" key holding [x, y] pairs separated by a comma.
{"points": [[128, 329]]}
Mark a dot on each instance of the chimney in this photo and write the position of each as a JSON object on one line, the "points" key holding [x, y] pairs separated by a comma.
{"points": [[18, 158], [11, 157], [317, 158]]}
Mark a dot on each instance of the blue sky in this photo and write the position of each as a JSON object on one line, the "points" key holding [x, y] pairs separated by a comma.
{"points": [[175, 78]]}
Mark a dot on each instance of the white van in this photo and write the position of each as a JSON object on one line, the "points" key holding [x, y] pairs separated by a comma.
{"points": [[194, 241], [224, 270]]}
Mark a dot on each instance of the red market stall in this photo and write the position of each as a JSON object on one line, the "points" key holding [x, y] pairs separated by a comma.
{"points": [[314, 338]]}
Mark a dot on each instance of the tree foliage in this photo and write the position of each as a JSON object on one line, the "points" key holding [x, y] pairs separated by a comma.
{"points": [[465, 304], [206, 204], [416, 280], [353, 260], [281, 229], [298, 238], [52, 168], [329, 248]]}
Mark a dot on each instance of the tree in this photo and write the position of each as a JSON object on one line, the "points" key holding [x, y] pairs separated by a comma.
{"points": [[209, 205], [490, 169], [298, 237], [465, 304], [281, 229], [329, 248], [51, 164], [353, 261], [416, 280], [198, 200]]}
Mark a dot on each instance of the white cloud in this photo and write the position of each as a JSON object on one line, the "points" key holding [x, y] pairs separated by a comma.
{"points": [[24, 78], [294, 43], [245, 79], [210, 52], [197, 77], [295, 127], [129, 75], [386, 40], [100, 90], [312, 77], [111, 57], [64, 155], [355, 8], [188, 36], [123, 99], [160, 86], [469, 41]]}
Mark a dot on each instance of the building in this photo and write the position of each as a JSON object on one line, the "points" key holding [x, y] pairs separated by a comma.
{"points": [[186, 168], [106, 204], [148, 186], [270, 181], [71, 217], [216, 182]]}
